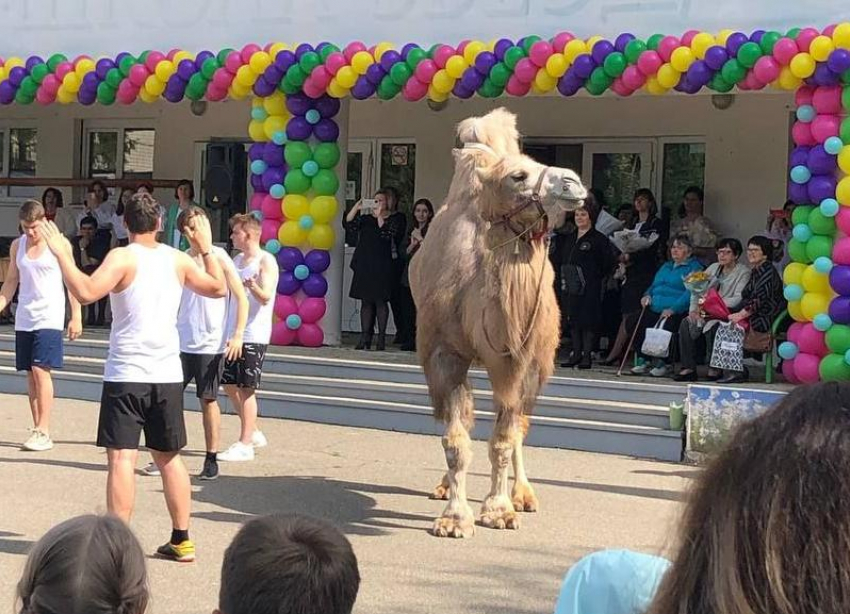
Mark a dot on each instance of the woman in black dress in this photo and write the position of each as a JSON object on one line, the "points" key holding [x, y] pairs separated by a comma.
{"points": [[375, 264], [588, 259], [423, 213]]}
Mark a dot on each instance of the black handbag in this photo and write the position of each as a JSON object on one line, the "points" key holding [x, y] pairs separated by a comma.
{"points": [[573, 282]]}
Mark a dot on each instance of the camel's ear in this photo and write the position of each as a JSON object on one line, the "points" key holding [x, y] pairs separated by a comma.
{"points": [[485, 173]]}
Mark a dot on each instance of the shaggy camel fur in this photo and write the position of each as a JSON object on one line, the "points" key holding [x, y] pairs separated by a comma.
{"points": [[483, 287]]}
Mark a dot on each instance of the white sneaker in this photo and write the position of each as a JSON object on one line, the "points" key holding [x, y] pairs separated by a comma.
{"points": [[238, 452], [258, 440], [639, 369], [659, 371], [151, 469], [38, 442]]}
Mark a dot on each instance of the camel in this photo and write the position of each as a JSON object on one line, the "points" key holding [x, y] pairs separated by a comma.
{"points": [[483, 287]]}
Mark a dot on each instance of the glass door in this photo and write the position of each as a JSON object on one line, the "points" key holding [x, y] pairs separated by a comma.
{"points": [[360, 178], [618, 169]]}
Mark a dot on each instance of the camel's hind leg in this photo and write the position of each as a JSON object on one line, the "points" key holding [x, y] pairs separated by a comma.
{"points": [[523, 496], [452, 397]]}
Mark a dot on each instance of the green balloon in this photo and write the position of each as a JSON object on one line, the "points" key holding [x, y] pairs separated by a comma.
{"points": [[39, 72], [144, 56], [833, 368], [633, 50], [209, 67], [325, 183], [801, 215], [838, 339], [114, 78], [400, 73], [126, 64], [296, 75], [793, 33], [29, 86], [327, 50], [845, 99], [105, 93], [326, 155], [414, 56], [845, 78], [819, 246], [797, 251], [500, 74], [845, 130], [296, 153], [221, 57], [296, 182], [615, 64], [528, 42], [719, 84], [748, 54], [387, 89], [55, 60], [653, 41], [820, 224], [600, 79], [197, 87], [733, 71], [768, 42], [21, 97], [288, 88], [309, 61], [595, 89], [512, 56], [489, 89]]}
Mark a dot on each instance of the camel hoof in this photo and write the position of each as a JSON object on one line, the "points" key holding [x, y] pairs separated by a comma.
{"points": [[524, 499], [500, 519], [441, 492], [458, 528]]}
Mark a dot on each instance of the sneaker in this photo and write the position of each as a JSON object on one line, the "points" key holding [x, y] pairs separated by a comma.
{"points": [[182, 553], [210, 471], [660, 371], [151, 469], [258, 440], [38, 442], [238, 452], [639, 369]]}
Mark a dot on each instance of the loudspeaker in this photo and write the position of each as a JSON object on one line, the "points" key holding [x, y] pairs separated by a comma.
{"points": [[226, 177]]}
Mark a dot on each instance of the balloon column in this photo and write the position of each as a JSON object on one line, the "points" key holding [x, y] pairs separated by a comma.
{"points": [[817, 282]]}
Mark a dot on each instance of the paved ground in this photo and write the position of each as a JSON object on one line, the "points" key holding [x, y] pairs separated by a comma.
{"points": [[373, 485]]}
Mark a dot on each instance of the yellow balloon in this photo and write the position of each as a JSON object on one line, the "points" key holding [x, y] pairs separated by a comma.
{"points": [[14, 62], [813, 304], [246, 77], [361, 62], [382, 48], [260, 60], [701, 44], [154, 86], [654, 87], [72, 82], [182, 55], [277, 48], [442, 82], [455, 66], [274, 104], [273, 124], [841, 36], [842, 192], [323, 209], [256, 132], [574, 49], [238, 91], [321, 236], [803, 66], [291, 234], [436, 95], [295, 206], [556, 65], [491, 45], [723, 36], [795, 310], [814, 281], [787, 80], [83, 67], [821, 47], [336, 90], [682, 59], [668, 77], [472, 50], [256, 102], [144, 96], [844, 159], [346, 77], [164, 70], [793, 273], [545, 82], [64, 96]]}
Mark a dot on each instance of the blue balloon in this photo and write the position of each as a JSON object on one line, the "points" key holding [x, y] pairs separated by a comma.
{"points": [[277, 191], [823, 265], [273, 246], [258, 167], [258, 215], [259, 113], [847, 357], [313, 116], [833, 145], [310, 168], [788, 350], [802, 233], [279, 138], [293, 321], [800, 174], [822, 322], [829, 207], [306, 222], [794, 292], [806, 113], [301, 272]]}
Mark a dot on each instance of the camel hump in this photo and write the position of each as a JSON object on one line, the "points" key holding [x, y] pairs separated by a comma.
{"points": [[497, 130]]}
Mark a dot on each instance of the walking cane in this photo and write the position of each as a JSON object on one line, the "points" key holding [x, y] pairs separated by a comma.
{"points": [[631, 342]]}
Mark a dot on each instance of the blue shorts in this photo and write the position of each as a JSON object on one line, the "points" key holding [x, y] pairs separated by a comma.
{"points": [[38, 348]]}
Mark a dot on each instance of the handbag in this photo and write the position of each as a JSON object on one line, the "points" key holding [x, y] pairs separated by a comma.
{"points": [[728, 350], [657, 341], [573, 281], [758, 342]]}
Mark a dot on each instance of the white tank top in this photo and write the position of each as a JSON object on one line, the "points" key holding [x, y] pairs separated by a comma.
{"points": [[144, 346], [259, 326], [41, 291], [202, 321]]}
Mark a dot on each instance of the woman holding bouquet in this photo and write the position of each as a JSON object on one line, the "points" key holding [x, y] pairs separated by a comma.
{"points": [[728, 278]]}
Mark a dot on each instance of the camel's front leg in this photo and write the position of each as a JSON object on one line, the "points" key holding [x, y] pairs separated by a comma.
{"points": [[523, 496], [497, 512], [457, 519]]}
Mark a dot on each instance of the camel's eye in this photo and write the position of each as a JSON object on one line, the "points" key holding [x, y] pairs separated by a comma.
{"points": [[519, 176]]}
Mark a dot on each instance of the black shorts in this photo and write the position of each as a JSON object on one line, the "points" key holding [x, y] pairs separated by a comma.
{"points": [[205, 370], [248, 370], [128, 408]]}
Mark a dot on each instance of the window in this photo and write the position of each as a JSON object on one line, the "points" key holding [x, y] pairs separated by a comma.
{"points": [[122, 153], [684, 166], [18, 158], [398, 170]]}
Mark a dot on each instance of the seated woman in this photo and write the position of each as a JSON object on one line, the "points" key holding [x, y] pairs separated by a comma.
{"points": [[728, 277], [666, 300], [763, 300]]}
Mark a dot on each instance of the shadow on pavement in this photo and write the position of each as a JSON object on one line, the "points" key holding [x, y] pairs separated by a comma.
{"points": [[14, 546]]}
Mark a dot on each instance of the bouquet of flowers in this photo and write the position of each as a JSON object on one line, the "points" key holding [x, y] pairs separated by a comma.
{"points": [[631, 241], [697, 283]]}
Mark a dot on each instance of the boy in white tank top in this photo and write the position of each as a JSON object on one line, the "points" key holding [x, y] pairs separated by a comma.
{"points": [[143, 379], [40, 318]]}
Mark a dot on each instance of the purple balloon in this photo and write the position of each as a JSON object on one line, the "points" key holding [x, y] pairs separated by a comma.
{"points": [[584, 66], [87, 97], [602, 50], [33, 61], [820, 162], [90, 81], [757, 36], [17, 74], [502, 45], [839, 309], [302, 49], [821, 187], [257, 182], [800, 156], [290, 257], [839, 279], [121, 56], [472, 79], [7, 92], [376, 73], [484, 62], [716, 57], [256, 151], [186, 68], [273, 175], [407, 49], [569, 84], [462, 92], [298, 129], [623, 40], [315, 286], [287, 284], [327, 106], [362, 89], [798, 192], [299, 104], [839, 61], [273, 154], [172, 96], [284, 60], [734, 42], [326, 131], [824, 76], [103, 66], [273, 74], [263, 88], [318, 260], [202, 57], [699, 73], [389, 59]]}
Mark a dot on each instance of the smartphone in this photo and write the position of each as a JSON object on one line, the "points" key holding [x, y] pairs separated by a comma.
{"points": [[778, 213], [368, 205]]}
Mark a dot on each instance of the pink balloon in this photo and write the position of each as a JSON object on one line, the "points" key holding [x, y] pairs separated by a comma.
{"points": [[312, 89], [540, 52], [827, 100], [442, 55], [425, 71], [802, 134], [249, 50], [515, 87], [312, 310], [688, 37], [281, 335], [321, 77], [138, 75], [784, 51], [633, 78], [794, 332], [805, 95], [127, 92], [620, 88], [830, 29], [560, 41], [825, 126], [767, 69], [461, 48], [414, 90], [334, 62], [751, 82], [269, 230], [284, 306], [233, 62], [806, 368], [788, 372], [222, 78], [812, 341], [353, 48], [63, 69], [841, 250], [843, 220], [271, 208], [805, 38], [525, 70], [51, 85], [44, 97], [310, 336], [172, 53], [649, 62], [257, 201], [667, 46], [154, 58], [216, 93]]}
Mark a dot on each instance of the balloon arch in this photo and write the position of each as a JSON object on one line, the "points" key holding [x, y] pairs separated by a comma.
{"points": [[296, 93]]}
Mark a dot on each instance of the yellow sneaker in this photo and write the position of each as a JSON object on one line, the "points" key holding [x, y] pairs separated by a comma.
{"points": [[183, 552]]}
